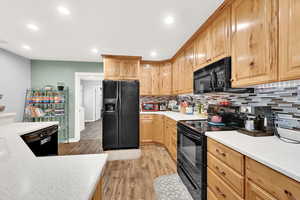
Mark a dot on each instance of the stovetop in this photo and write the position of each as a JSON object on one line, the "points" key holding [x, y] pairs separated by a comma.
{"points": [[203, 126]]}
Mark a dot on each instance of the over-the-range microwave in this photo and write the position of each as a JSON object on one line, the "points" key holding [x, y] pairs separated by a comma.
{"points": [[216, 77]]}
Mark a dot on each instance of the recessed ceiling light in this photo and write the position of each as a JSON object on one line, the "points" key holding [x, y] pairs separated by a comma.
{"points": [[63, 10], [26, 47], [94, 50], [169, 20], [153, 53], [33, 27]]}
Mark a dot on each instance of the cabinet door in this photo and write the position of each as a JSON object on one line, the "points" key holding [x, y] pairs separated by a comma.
{"points": [[201, 50], [145, 79], [188, 75], [220, 37], [289, 39], [155, 80], [146, 128], [111, 68], [254, 42], [175, 77], [166, 78], [181, 74], [129, 69], [253, 192], [158, 129]]}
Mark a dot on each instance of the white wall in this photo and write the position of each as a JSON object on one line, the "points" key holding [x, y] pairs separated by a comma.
{"points": [[90, 90], [15, 78]]}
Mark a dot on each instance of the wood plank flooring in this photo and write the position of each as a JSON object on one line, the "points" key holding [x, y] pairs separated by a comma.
{"points": [[133, 179]]}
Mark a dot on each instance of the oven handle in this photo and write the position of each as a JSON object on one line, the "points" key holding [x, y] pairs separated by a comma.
{"points": [[190, 135]]}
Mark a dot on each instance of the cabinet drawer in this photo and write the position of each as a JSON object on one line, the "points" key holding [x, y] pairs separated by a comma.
{"points": [[233, 159], [228, 175], [211, 195], [221, 190], [146, 116], [275, 183], [253, 192]]}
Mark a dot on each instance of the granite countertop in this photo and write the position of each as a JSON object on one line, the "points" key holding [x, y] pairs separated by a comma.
{"points": [[177, 116], [270, 151], [25, 176]]}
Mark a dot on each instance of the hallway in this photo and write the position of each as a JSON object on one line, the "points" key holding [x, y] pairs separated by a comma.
{"points": [[90, 141]]}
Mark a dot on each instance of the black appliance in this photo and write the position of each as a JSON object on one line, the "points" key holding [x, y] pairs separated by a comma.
{"points": [[216, 77], [192, 147], [120, 114], [259, 121], [43, 142]]}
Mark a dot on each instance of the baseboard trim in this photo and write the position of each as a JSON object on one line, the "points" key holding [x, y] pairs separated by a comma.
{"points": [[128, 154]]}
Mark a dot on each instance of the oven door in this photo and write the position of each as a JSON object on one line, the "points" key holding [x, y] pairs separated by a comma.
{"points": [[192, 156]]}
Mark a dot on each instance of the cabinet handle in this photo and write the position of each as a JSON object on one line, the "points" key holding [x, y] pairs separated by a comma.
{"points": [[221, 153], [220, 192], [290, 195], [252, 63], [220, 172]]}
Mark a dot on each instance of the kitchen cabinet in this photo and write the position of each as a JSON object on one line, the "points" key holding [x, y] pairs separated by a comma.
{"points": [[225, 168], [289, 40], [111, 68], [146, 128], [220, 36], [98, 194], [121, 67], [158, 129], [189, 62], [175, 77], [145, 79], [267, 183], [201, 50], [156, 80], [166, 78], [254, 42]]}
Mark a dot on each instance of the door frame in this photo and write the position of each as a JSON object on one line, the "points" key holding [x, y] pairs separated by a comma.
{"points": [[78, 77]]}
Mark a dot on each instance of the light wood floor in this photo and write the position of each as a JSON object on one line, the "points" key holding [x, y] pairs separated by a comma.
{"points": [[133, 179]]}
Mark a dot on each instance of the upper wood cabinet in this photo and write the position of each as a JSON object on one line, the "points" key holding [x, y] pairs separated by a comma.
{"points": [[189, 62], [175, 77], [145, 79], [121, 67], [156, 78], [166, 78], [201, 50], [213, 43], [220, 36], [111, 68], [289, 40], [254, 42]]}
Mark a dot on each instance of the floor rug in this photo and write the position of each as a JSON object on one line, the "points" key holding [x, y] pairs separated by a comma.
{"points": [[170, 187]]}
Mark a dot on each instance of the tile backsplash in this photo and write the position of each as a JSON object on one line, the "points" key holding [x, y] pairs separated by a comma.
{"points": [[283, 97]]}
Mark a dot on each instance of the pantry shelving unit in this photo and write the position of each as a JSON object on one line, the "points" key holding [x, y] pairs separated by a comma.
{"points": [[48, 105]]}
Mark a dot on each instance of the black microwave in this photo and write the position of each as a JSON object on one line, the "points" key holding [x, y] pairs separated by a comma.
{"points": [[216, 77]]}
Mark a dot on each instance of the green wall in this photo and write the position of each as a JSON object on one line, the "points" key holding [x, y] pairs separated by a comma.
{"points": [[50, 72]]}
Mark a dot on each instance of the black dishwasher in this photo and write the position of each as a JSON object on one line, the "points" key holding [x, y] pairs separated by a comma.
{"points": [[43, 142]]}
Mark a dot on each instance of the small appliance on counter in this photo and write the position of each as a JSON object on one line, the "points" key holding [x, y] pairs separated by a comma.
{"points": [[150, 106], [162, 106], [258, 120]]}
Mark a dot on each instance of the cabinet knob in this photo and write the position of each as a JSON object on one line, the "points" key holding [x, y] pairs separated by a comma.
{"points": [[290, 195], [221, 153], [220, 192]]}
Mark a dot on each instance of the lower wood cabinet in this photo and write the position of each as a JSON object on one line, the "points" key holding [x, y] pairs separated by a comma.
{"points": [[98, 194], [159, 129], [262, 180], [249, 179]]}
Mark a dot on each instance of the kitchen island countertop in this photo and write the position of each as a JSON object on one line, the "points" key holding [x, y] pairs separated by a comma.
{"points": [[27, 177]]}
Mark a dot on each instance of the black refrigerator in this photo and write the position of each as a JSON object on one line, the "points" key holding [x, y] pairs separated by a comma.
{"points": [[120, 124]]}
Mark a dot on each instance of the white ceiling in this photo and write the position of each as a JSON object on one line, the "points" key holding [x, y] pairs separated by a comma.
{"points": [[124, 27]]}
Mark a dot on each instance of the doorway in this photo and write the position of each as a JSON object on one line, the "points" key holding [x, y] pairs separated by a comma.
{"points": [[88, 105]]}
